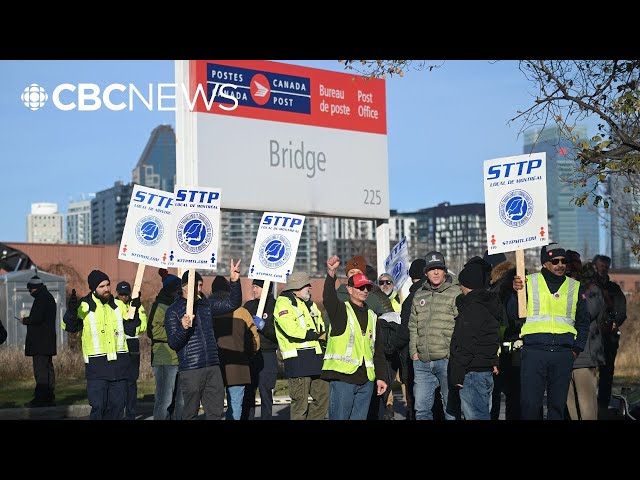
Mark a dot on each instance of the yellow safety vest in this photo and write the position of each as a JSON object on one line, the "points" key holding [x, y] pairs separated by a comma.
{"points": [[102, 330], [551, 312], [294, 321], [346, 352], [394, 303]]}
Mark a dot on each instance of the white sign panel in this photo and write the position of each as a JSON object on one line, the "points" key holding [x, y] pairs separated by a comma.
{"points": [[274, 253], [195, 231], [515, 196], [398, 262], [146, 235], [294, 134]]}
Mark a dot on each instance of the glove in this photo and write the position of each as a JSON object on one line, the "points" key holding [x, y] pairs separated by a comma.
{"points": [[73, 303], [311, 335], [259, 322], [136, 302]]}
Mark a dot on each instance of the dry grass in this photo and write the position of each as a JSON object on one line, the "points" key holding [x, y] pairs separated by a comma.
{"points": [[68, 363], [628, 359]]}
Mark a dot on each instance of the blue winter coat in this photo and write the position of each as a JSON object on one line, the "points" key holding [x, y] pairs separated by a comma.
{"points": [[197, 346]]}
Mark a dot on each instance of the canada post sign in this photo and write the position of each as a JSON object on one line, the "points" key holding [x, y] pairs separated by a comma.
{"points": [[297, 133]]}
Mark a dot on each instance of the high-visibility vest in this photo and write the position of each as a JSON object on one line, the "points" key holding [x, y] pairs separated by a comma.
{"points": [[346, 352], [294, 321], [394, 302], [141, 314], [102, 329], [551, 312]]}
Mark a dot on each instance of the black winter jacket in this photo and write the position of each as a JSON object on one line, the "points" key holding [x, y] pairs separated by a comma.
{"points": [[268, 340], [41, 324], [196, 346], [475, 342]]}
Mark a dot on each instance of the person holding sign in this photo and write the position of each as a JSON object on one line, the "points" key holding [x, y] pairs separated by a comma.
{"points": [[123, 297], [190, 334], [354, 360], [104, 324], [554, 333], [299, 328]]}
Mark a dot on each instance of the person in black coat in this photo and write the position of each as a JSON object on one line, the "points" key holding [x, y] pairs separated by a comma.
{"points": [[40, 343], [3, 334], [264, 364]]}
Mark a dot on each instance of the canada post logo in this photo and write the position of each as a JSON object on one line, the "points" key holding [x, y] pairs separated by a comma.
{"points": [[260, 89], [516, 208], [194, 233], [149, 230], [275, 250]]}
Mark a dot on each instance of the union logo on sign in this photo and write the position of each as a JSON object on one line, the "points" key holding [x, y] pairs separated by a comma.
{"points": [[516, 208], [275, 250], [149, 230], [194, 233]]}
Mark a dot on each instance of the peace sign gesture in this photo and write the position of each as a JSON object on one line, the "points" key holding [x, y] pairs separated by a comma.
{"points": [[235, 271]]}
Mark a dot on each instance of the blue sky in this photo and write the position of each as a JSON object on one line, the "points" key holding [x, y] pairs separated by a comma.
{"points": [[441, 126]]}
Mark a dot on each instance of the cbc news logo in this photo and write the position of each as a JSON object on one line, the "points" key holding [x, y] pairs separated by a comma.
{"points": [[89, 97], [34, 97]]}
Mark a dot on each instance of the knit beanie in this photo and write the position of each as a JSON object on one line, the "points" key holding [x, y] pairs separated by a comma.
{"points": [[185, 278], [96, 277], [473, 276], [551, 251], [220, 284], [34, 282], [416, 270]]}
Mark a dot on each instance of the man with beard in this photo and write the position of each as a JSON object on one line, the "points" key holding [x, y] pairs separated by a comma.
{"points": [[103, 324]]}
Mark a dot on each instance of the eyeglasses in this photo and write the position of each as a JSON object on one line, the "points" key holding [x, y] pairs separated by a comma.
{"points": [[385, 282], [367, 287], [555, 261]]}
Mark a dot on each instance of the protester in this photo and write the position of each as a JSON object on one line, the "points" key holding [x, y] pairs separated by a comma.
{"points": [[354, 361], [553, 335], [40, 343], [191, 335], [299, 329], [103, 324], [168, 400], [264, 364], [474, 346], [123, 297]]}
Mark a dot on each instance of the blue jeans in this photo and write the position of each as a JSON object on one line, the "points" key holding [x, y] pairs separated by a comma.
{"points": [[475, 395], [348, 401], [168, 398], [235, 395], [427, 377]]}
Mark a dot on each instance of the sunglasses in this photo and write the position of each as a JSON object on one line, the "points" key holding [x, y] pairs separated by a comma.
{"points": [[555, 261], [368, 288], [385, 282]]}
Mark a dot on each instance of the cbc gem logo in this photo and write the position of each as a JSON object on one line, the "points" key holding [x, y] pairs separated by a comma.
{"points": [[34, 97], [516, 208], [275, 250], [149, 230], [194, 233]]}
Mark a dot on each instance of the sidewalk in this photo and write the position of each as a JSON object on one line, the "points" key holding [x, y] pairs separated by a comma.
{"points": [[80, 412]]}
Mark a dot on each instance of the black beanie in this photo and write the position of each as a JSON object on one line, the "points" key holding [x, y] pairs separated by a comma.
{"points": [[416, 270], [34, 282], [473, 276], [551, 251], [220, 284], [185, 278], [96, 277]]}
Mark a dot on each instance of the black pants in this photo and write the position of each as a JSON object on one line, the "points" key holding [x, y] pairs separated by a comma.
{"points": [[605, 383], [45, 377], [507, 382]]}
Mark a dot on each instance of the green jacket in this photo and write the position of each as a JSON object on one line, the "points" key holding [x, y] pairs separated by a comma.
{"points": [[432, 319]]}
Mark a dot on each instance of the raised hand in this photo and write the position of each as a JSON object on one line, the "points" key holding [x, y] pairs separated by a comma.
{"points": [[332, 265], [235, 271]]}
